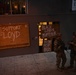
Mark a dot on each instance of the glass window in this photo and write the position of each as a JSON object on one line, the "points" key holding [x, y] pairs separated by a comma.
{"points": [[13, 7], [73, 5]]}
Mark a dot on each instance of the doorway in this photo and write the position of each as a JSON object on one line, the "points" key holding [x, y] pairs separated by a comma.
{"points": [[47, 32]]}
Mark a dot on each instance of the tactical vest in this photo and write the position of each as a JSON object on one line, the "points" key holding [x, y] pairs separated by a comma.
{"points": [[59, 46]]}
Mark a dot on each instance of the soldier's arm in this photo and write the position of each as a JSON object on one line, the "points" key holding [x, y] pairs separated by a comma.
{"points": [[74, 44], [71, 43]]}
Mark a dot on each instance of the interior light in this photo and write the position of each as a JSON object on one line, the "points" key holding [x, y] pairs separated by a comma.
{"points": [[15, 6], [39, 26], [44, 23], [45, 39], [50, 23], [24, 6], [41, 23]]}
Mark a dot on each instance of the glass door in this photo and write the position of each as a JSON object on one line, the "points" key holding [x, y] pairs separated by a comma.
{"points": [[47, 32]]}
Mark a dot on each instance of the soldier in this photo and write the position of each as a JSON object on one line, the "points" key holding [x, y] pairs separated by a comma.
{"points": [[60, 53], [72, 47]]}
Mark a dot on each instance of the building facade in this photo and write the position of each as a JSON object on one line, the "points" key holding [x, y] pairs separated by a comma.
{"points": [[37, 12]]}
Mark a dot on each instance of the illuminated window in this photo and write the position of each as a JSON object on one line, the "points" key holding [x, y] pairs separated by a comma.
{"points": [[50, 23], [8, 7]]}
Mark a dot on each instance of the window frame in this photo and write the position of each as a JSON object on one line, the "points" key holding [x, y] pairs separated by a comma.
{"points": [[9, 10]]}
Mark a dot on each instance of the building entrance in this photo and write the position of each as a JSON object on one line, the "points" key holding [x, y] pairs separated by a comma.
{"points": [[47, 32]]}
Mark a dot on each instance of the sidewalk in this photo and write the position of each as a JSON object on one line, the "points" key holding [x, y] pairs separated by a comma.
{"points": [[32, 64]]}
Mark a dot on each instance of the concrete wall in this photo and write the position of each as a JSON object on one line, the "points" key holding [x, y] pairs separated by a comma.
{"points": [[42, 10]]}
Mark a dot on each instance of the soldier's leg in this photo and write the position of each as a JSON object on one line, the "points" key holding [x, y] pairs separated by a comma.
{"points": [[74, 64], [63, 60], [71, 60], [58, 60]]}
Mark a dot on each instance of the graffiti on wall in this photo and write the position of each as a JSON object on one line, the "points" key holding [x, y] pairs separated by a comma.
{"points": [[14, 35]]}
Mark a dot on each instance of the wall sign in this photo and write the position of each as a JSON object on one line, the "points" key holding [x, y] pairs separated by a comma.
{"points": [[73, 5], [14, 35]]}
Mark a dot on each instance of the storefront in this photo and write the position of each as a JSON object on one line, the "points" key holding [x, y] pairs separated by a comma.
{"points": [[26, 26]]}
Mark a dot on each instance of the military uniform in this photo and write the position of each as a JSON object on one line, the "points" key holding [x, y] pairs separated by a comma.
{"points": [[72, 46], [60, 54]]}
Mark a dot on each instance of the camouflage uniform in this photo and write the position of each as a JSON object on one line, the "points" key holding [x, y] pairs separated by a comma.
{"points": [[60, 54], [72, 46]]}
